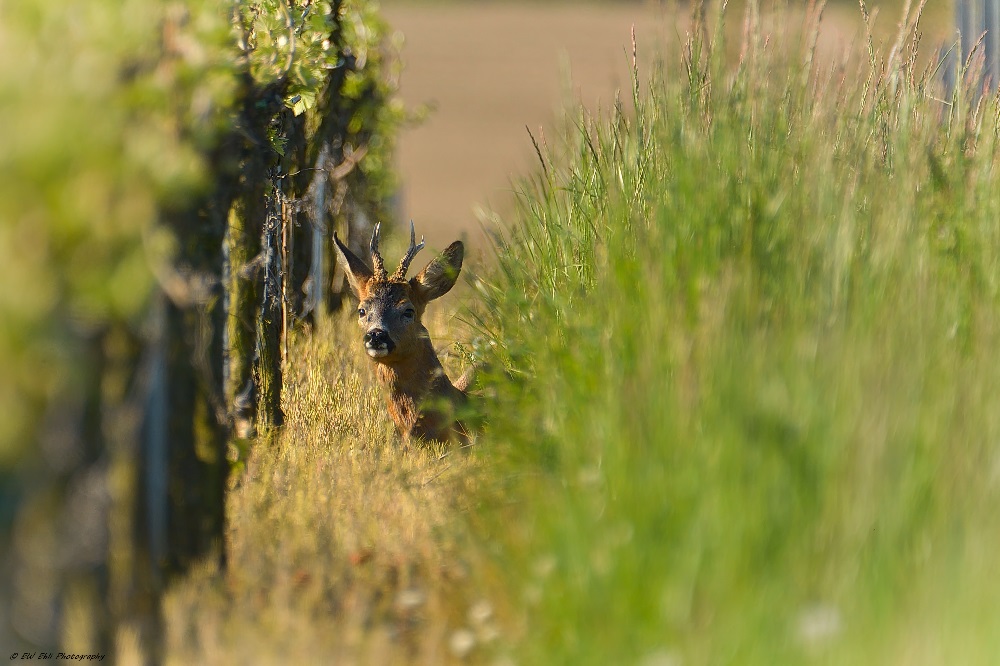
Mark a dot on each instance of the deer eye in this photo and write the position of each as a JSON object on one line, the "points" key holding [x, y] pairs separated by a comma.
{"points": [[408, 313], [361, 312]]}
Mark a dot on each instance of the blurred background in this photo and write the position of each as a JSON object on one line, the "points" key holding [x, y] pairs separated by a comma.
{"points": [[487, 72]]}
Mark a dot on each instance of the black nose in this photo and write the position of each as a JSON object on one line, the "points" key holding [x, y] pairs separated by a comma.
{"points": [[378, 339]]}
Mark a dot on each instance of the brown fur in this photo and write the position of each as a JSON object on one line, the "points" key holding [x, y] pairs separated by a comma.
{"points": [[421, 399]]}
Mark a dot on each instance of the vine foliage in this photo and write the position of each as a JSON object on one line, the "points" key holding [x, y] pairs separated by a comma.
{"points": [[167, 204]]}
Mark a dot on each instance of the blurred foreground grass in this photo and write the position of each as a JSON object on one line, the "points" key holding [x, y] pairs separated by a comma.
{"points": [[755, 327]]}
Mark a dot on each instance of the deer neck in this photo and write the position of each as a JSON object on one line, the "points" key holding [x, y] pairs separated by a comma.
{"points": [[408, 380]]}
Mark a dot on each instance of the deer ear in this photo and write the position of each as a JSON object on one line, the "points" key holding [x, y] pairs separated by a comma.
{"points": [[358, 273], [439, 276]]}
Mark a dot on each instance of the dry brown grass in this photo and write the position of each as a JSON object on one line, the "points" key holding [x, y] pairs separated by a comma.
{"points": [[344, 546]]}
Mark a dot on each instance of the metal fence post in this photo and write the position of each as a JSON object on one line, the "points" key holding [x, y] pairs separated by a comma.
{"points": [[975, 19]]}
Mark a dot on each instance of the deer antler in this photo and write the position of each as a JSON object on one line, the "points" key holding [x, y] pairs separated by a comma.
{"points": [[404, 265], [377, 262]]}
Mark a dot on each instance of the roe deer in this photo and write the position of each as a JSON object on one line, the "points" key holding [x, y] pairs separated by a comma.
{"points": [[422, 400]]}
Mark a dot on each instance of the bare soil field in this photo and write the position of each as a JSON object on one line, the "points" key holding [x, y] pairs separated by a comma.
{"points": [[491, 70]]}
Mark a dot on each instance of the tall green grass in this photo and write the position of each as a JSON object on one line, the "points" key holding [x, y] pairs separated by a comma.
{"points": [[753, 331]]}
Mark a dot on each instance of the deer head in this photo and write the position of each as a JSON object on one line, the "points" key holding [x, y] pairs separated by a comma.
{"points": [[391, 306]]}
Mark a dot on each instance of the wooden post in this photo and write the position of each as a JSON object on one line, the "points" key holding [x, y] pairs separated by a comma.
{"points": [[267, 370]]}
